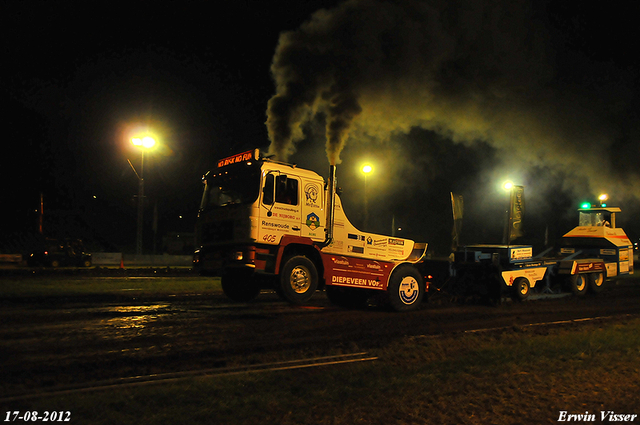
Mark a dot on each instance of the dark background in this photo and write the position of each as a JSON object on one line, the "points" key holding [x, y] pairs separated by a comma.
{"points": [[80, 78]]}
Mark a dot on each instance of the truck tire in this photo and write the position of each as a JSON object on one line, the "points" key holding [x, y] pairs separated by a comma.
{"points": [[521, 289], [239, 287], [596, 282], [406, 288], [578, 284], [298, 280]]}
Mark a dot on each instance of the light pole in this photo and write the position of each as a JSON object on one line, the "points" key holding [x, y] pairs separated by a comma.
{"points": [[143, 143], [366, 169]]}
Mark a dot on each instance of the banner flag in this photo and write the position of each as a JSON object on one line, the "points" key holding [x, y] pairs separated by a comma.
{"points": [[516, 213], [457, 207]]}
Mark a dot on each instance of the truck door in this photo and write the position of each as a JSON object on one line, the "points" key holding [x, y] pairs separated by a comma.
{"points": [[313, 218], [280, 207]]}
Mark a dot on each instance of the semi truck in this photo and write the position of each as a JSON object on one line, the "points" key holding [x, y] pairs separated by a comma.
{"points": [[269, 224], [266, 224]]}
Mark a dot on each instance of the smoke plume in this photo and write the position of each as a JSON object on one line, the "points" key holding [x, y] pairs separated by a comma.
{"points": [[475, 70]]}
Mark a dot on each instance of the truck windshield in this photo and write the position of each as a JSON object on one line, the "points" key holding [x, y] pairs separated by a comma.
{"points": [[235, 185]]}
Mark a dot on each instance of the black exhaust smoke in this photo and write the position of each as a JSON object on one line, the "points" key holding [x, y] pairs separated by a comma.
{"points": [[475, 70]]}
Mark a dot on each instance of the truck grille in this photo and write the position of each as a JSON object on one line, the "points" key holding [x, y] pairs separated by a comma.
{"points": [[221, 231]]}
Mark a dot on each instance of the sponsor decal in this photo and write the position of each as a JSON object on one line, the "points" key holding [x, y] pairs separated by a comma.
{"points": [[394, 241], [287, 216], [395, 251], [241, 157], [585, 267], [375, 265], [355, 281], [356, 249], [380, 242], [409, 290], [313, 221], [624, 255], [369, 240], [533, 275], [356, 237], [337, 245], [311, 195], [341, 261], [521, 253], [280, 208], [277, 226]]}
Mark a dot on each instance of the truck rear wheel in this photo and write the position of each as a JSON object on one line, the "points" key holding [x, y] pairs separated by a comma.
{"points": [[578, 284], [596, 282], [240, 287], [406, 288], [521, 289], [298, 280]]}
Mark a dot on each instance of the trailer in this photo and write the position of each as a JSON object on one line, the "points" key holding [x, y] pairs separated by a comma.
{"points": [[584, 260]]}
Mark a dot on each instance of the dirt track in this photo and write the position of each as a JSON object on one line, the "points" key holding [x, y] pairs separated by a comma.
{"points": [[58, 343]]}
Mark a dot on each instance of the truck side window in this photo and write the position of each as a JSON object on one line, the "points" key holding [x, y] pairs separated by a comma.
{"points": [[267, 191], [286, 190]]}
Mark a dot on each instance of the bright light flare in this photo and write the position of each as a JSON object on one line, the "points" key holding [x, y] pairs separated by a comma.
{"points": [[367, 169], [144, 142], [507, 185]]}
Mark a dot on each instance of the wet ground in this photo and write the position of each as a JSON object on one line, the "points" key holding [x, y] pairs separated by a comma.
{"points": [[56, 343]]}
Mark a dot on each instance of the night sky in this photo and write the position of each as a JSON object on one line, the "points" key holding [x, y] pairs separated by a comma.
{"points": [[438, 96]]}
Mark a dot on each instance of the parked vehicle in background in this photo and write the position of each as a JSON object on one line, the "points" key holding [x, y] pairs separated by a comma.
{"points": [[57, 253]]}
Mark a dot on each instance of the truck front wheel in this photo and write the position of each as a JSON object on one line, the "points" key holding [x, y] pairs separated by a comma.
{"points": [[406, 288], [298, 280]]}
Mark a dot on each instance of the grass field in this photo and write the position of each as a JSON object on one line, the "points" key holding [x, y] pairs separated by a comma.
{"points": [[518, 376], [64, 286]]}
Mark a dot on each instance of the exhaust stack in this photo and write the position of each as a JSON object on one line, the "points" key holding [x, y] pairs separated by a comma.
{"points": [[330, 207]]}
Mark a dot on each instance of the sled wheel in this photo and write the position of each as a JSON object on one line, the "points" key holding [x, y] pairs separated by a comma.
{"points": [[521, 289], [578, 284], [596, 282]]}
